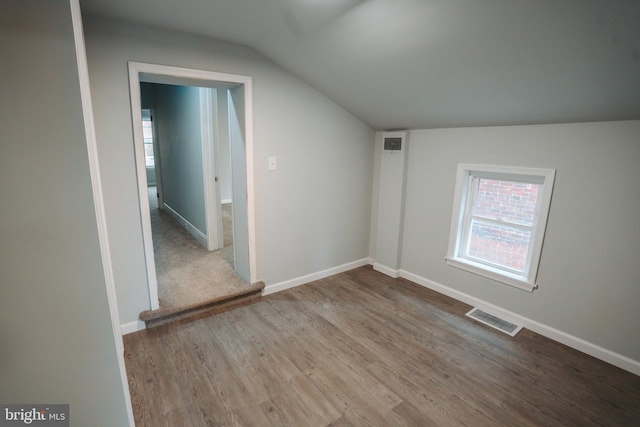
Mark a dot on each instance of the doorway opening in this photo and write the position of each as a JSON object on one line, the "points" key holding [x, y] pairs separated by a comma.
{"points": [[193, 199]]}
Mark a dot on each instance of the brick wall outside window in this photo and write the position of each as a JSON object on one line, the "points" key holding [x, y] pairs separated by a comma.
{"points": [[512, 202]]}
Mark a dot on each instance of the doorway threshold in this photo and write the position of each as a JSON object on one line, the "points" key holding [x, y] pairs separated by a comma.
{"points": [[207, 308]]}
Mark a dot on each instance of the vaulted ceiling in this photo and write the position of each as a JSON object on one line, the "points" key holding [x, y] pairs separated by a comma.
{"points": [[415, 64]]}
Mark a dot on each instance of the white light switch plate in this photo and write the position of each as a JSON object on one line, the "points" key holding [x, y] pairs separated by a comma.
{"points": [[273, 163]]}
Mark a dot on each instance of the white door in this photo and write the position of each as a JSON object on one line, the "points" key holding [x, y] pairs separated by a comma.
{"points": [[213, 208]]}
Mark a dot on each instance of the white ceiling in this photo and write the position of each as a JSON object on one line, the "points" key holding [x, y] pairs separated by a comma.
{"points": [[414, 64]]}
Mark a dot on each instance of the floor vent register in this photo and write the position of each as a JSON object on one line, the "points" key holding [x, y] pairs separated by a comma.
{"points": [[494, 321]]}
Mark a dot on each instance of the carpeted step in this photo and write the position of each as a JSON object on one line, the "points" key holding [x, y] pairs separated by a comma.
{"points": [[216, 305]]}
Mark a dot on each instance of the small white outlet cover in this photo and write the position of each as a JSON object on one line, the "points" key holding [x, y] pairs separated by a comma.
{"points": [[273, 163]]}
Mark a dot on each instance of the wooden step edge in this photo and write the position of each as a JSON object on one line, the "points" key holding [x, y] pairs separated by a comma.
{"points": [[201, 313], [161, 315]]}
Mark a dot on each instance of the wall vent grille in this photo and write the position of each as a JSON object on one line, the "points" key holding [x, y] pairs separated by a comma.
{"points": [[494, 321], [393, 142]]}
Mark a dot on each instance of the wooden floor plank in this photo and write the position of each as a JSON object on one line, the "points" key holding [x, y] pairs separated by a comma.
{"points": [[382, 335], [552, 370], [360, 348]]}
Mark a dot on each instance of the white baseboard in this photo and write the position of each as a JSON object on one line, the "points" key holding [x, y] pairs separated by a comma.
{"points": [[277, 287], [579, 344], [191, 229], [135, 326], [386, 270]]}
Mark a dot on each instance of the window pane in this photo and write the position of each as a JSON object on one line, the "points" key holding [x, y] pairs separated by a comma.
{"points": [[148, 154], [500, 245], [507, 200], [147, 130]]}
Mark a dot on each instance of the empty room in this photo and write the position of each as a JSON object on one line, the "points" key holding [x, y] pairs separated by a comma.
{"points": [[426, 211]]}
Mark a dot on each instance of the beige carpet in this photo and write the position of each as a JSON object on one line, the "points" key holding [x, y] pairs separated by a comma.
{"points": [[187, 273]]}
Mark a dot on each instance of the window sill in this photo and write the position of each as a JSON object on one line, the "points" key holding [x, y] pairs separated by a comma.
{"points": [[493, 274]]}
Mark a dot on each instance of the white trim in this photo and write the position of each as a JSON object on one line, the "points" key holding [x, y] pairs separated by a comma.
{"points": [[131, 327], [572, 341], [486, 271], [251, 205], [215, 164], [386, 270], [288, 284], [213, 210], [143, 194], [98, 198], [191, 229], [225, 201], [203, 78]]}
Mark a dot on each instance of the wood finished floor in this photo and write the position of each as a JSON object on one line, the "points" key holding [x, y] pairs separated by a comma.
{"points": [[360, 348]]}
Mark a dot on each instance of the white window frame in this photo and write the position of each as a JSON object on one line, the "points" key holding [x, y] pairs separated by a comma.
{"points": [[467, 177]]}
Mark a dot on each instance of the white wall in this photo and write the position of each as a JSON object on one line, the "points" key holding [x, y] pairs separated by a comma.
{"points": [[589, 280], [390, 193], [312, 214], [56, 338]]}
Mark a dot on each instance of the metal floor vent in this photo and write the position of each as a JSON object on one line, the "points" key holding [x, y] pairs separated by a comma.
{"points": [[494, 321]]}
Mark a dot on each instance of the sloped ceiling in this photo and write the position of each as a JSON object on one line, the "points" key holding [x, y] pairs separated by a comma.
{"points": [[417, 64]]}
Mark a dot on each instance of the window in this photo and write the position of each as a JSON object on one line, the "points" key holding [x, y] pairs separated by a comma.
{"points": [[147, 133], [499, 219]]}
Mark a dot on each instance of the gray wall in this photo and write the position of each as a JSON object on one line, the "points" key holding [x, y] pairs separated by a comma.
{"points": [[151, 176], [312, 214], [238, 149], [56, 339], [177, 111], [588, 277]]}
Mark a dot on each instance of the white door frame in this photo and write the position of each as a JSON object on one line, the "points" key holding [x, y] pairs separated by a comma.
{"points": [[154, 73], [212, 205]]}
